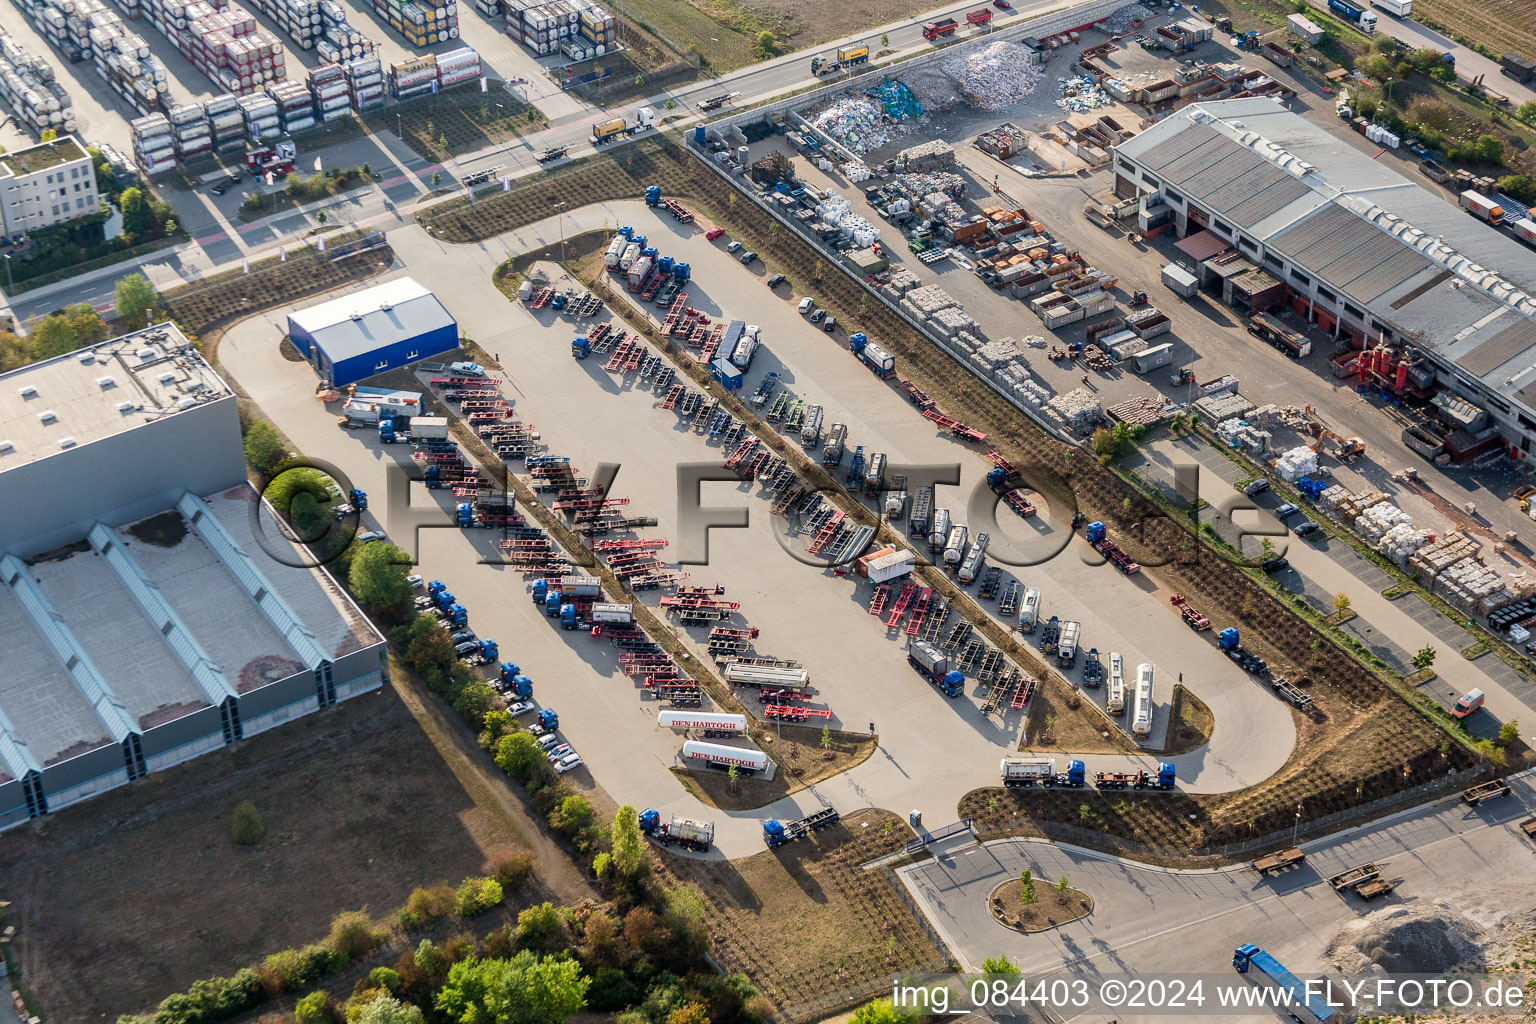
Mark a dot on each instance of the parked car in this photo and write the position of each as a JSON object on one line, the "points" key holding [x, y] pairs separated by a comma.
{"points": [[733, 246], [1305, 528], [467, 369], [414, 581], [463, 637], [1469, 702], [817, 315], [466, 648], [556, 753], [369, 536], [548, 741], [830, 325], [1256, 487], [1285, 511], [775, 280], [1274, 564], [747, 258], [806, 305], [568, 762], [522, 707], [1002, 5], [714, 233]]}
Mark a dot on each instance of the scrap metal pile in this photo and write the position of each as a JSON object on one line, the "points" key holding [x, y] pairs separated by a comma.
{"points": [[1080, 94], [996, 76]]}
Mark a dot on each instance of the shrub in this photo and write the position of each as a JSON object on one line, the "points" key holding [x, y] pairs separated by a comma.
{"points": [[512, 870], [314, 1008], [293, 969], [247, 826], [386, 978], [352, 934], [476, 896], [611, 990], [210, 999]]}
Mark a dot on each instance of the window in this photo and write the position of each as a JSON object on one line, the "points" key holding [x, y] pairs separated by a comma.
{"points": [[1497, 403], [413, 354], [1173, 197], [1248, 243], [382, 364], [55, 209], [1272, 261], [1299, 277], [1358, 314], [1151, 180], [1326, 295], [1525, 421], [1225, 229]]}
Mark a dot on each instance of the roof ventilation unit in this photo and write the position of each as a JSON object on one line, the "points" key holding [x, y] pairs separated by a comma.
{"points": [[86, 358], [105, 382], [125, 407], [167, 378], [27, 392], [6, 447], [146, 354], [66, 442], [186, 402], [47, 416]]}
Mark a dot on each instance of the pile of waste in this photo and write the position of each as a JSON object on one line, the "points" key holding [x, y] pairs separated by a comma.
{"points": [[897, 101], [932, 87], [1433, 939], [1080, 94], [1123, 19], [995, 76], [853, 121]]}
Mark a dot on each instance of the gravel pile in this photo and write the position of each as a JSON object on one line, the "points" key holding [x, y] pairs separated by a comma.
{"points": [[1427, 939], [854, 121], [1120, 21], [996, 76]]}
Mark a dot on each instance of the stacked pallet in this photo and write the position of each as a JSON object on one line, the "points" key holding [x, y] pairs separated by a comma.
{"points": [[1239, 433], [1432, 560], [1474, 588], [295, 105], [952, 322], [190, 131], [1333, 498], [1296, 463], [1078, 409], [421, 22], [926, 301], [1222, 407], [1400, 542], [1375, 522], [557, 26], [365, 83], [27, 85], [328, 85], [154, 143]]}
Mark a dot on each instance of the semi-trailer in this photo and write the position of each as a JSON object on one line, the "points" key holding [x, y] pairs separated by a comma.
{"points": [[892, 566], [874, 476], [738, 674], [873, 355], [1482, 207], [954, 545], [940, 532], [685, 832], [1299, 996], [1050, 634], [1141, 714], [1229, 642], [1276, 862], [1517, 67], [1166, 778], [979, 17], [1114, 700], [776, 833], [922, 510], [1041, 771], [1066, 646], [970, 568], [1396, 8], [934, 665], [1029, 611], [723, 757], [1093, 669], [832, 450], [896, 497], [1354, 13], [810, 427], [711, 724]]}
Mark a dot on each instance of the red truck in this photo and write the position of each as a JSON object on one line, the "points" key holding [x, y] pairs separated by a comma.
{"points": [[980, 17], [943, 27]]}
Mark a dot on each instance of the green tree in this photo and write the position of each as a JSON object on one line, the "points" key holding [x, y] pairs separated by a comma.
{"points": [[1341, 604], [766, 45], [1376, 67], [1424, 658], [138, 219], [540, 928], [314, 1008], [389, 1010], [1063, 886], [689, 1013], [575, 814], [1027, 894], [87, 324], [477, 895], [246, 825], [1527, 111], [135, 298], [885, 40], [378, 577], [628, 856], [1518, 186], [428, 959], [432, 652], [523, 990], [437, 178], [1508, 733], [518, 754], [999, 965], [53, 337], [826, 737], [474, 700], [880, 1011], [264, 449]]}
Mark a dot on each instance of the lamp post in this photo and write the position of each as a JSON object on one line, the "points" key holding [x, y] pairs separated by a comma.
{"points": [[560, 218], [9, 287], [713, 46]]}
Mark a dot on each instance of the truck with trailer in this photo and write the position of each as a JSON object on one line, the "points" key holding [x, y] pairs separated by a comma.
{"points": [[1274, 863], [1396, 8], [1029, 610], [1141, 708], [719, 756], [1300, 996], [776, 833], [1165, 778], [1521, 69], [1355, 14], [832, 448], [810, 427], [685, 832], [873, 355], [846, 56], [710, 724], [1482, 207], [970, 566], [1229, 641], [934, 665], [933, 31], [1041, 771], [1066, 645], [1114, 699]]}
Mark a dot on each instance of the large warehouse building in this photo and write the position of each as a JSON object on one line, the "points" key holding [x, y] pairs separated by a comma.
{"points": [[1299, 217], [367, 332], [144, 620]]}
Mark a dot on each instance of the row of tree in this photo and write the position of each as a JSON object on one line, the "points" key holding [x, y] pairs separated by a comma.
{"points": [[79, 325]]}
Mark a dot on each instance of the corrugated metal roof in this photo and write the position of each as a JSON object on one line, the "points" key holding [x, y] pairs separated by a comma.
{"points": [[1170, 149], [366, 321], [1202, 245], [1274, 197], [1500, 349]]}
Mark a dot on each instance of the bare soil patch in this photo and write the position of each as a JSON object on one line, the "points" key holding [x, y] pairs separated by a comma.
{"points": [[807, 923], [1052, 909], [163, 531], [1057, 726], [801, 760], [1190, 723], [458, 121], [359, 806]]}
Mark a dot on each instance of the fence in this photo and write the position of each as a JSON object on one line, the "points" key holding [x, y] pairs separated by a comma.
{"points": [[925, 838]]}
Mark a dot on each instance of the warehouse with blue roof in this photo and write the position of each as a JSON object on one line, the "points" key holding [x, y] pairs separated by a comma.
{"points": [[364, 333]]}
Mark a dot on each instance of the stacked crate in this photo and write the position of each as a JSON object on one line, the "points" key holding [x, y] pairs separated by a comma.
{"points": [[223, 41], [339, 41], [457, 66], [365, 83], [328, 85], [421, 22], [259, 112], [227, 123], [154, 145], [190, 131], [295, 106], [28, 86], [413, 77]]}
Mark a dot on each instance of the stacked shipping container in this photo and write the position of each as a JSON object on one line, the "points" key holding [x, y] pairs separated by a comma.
{"points": [[365, 83], [328, 85], [579, 29], [27, 85], [421, 22]]}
